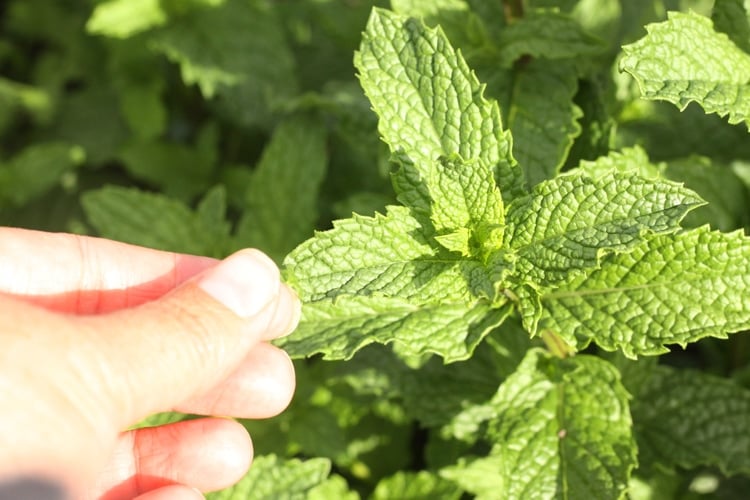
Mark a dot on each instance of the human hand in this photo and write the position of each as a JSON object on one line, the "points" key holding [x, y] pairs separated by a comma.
{"points": [[96, 335]]}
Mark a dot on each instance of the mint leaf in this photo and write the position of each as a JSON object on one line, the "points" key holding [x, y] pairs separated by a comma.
{"points": [[479, 476], [632, 160], [415, 486], [568, 223], [429, 102], [340, 327], [684, 59], [672, 289], [561, 428], [125, 18], [685, 418], [247, 64], [271, 478], [725, 193], [281, 201], [548, 35], [382, 255], [35, 170], [333, 487], [543, 117], [156, 221], [460, 22]]}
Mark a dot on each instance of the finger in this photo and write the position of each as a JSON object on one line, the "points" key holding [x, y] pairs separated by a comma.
{"points": [[158, 355], [261, 387], [81, 274], [174, 492], [208, 454]]}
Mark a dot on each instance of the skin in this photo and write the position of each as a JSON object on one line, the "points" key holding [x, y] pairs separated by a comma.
{"points": [[97, 335]]}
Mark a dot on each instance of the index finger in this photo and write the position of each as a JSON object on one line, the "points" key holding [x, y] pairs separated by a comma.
{"points": [[84, 275]]}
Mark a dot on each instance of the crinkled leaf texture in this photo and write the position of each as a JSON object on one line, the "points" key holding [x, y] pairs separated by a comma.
{"points": [[687, 419], [271, 477], [415, 486], [561, 428], [420, 275], [429, 102], [685, 60], [568, 223], [672, 289]]}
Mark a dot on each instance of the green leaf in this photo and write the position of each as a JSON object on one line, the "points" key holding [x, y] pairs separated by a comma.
{"points": [[570, 222], [383, 255], [672, 289], [273, 478], [479, 476], [280, 209], [35, 170], [731, 17], [685, 418], [561, 429], [247, 63], [460, 22], [125, 18], [543, 117], [415, 486], [725, 193], [429, 102], [164, 418], [339, 328], [548, 35], [633, 161], [333, 487], [156, 221], [684, 60], [179, 170]]}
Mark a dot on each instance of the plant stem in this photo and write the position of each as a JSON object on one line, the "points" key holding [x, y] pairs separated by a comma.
{"points": [[556, 345]]}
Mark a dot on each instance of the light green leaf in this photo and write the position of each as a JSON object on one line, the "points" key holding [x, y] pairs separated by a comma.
{"points": [[35, 170], [384, 255], [339, 328], [247, 63], [333, 487], [561, 429], [684, 60], [548, 35], [731, 17], [281, 202], [672, 289], [687, 419], [415, 486], [125, 18], [568, 223], [460, 22], [164, 418], [543, 117], [273, 478], [633, 161], [479, 476], [155, 221], [429, 102]]}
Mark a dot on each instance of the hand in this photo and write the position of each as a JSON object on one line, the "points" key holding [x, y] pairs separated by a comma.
{"points": [[96, 335]]}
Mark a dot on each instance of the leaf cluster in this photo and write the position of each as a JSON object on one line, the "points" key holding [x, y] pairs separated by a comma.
{"points": [[517, 227]]}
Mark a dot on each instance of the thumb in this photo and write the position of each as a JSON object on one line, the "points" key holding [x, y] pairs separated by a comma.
{"points": [[163, 352]]}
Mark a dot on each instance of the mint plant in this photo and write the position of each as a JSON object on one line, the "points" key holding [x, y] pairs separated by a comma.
{"points": [[517, 227]]}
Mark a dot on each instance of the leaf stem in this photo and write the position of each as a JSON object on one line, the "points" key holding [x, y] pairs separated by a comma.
{"points": [[513, 10], [556, 345]]}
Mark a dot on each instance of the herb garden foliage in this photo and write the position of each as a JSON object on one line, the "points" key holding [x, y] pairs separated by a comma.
{"points": [[533, 212]]}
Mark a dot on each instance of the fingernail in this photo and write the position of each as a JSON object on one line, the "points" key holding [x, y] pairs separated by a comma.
{"points": [[245, 282], [198, 493]]}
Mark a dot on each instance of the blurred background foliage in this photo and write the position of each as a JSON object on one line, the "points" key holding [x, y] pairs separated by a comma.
{"points": [[205, 126]]}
